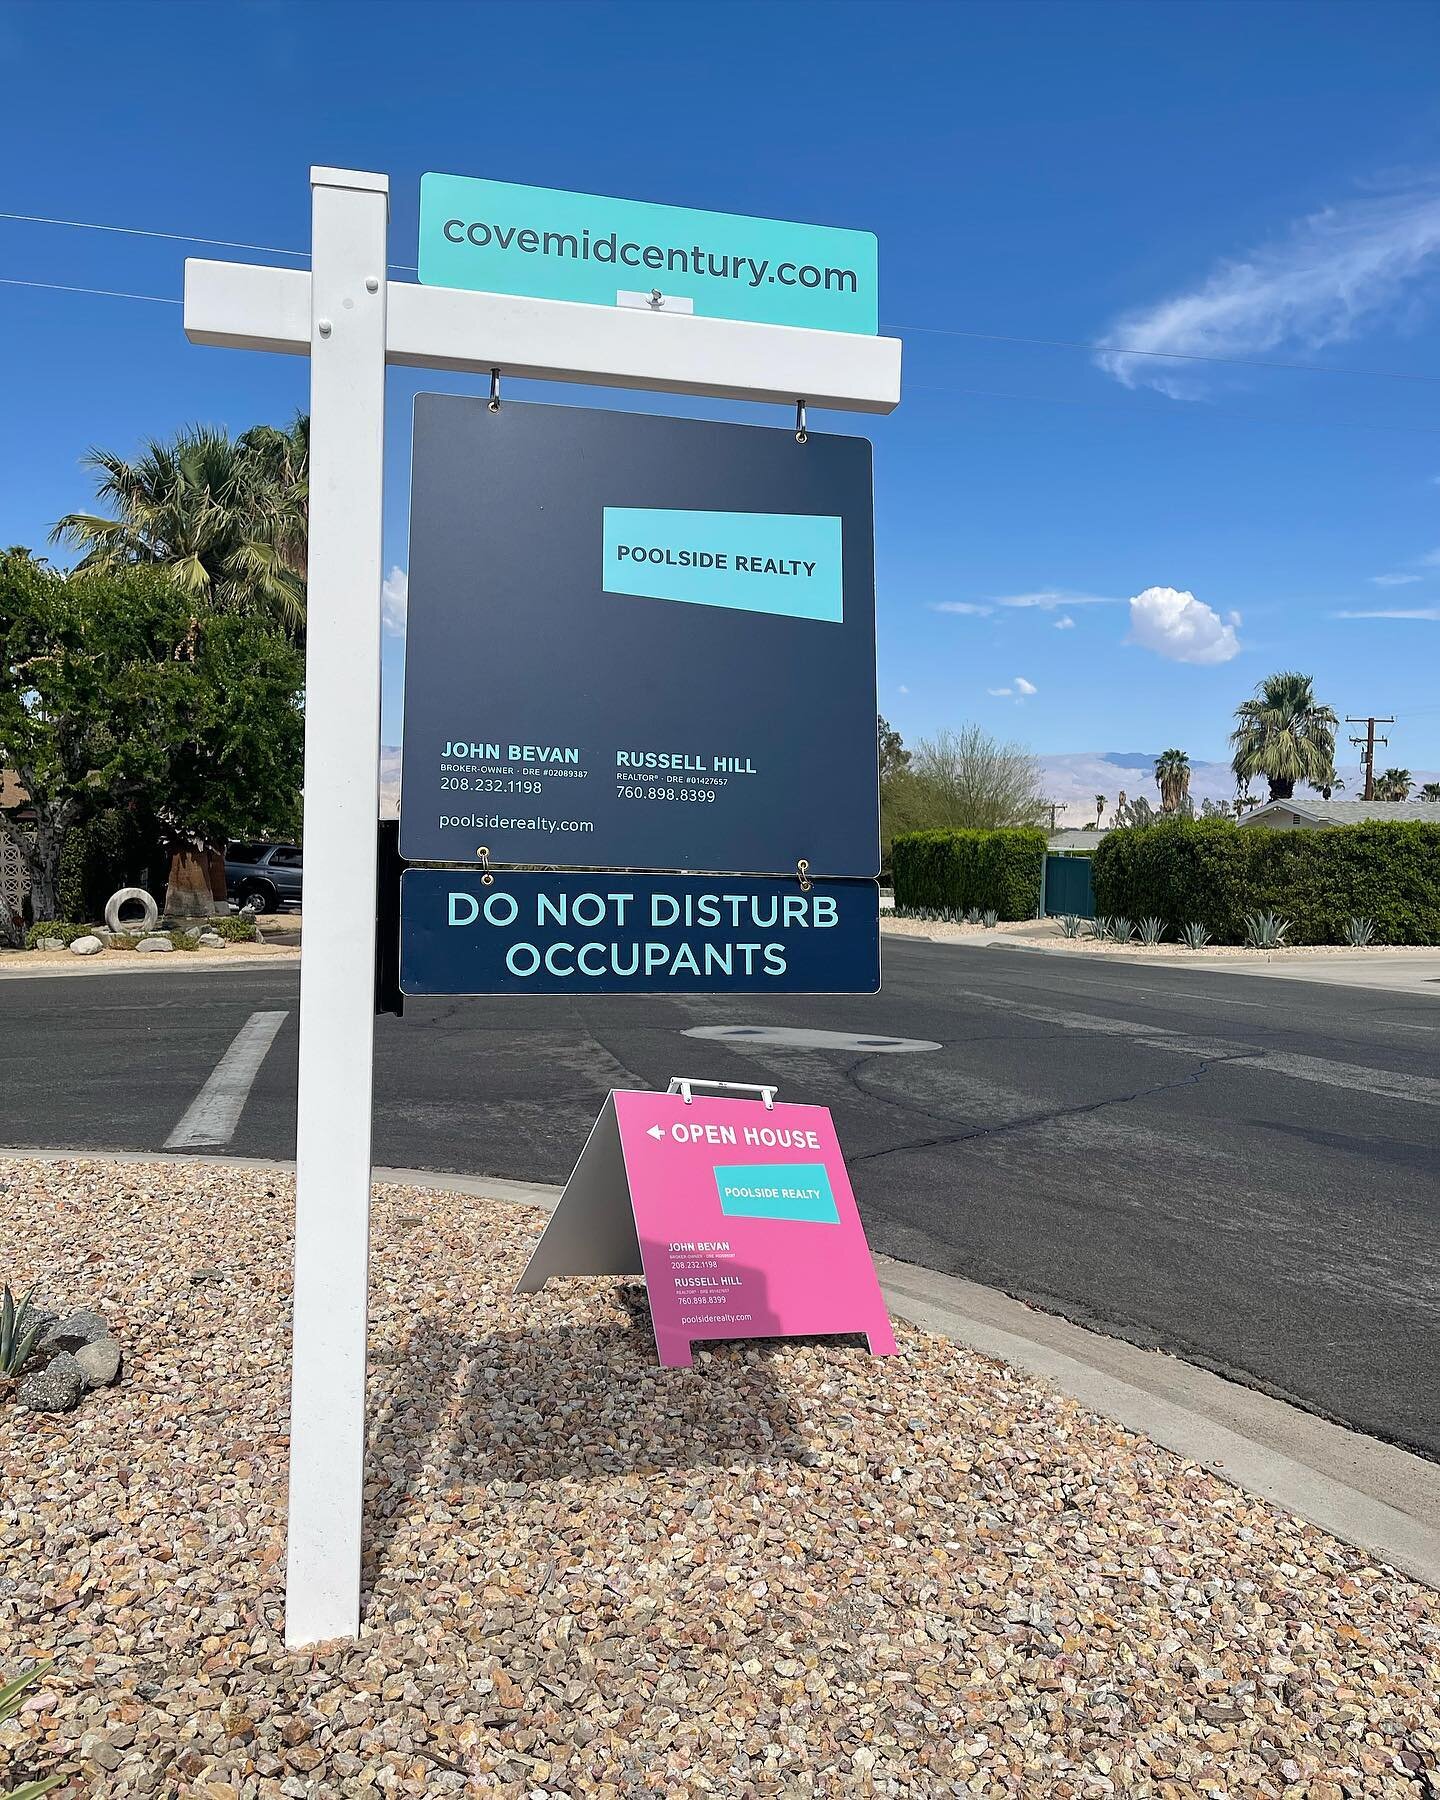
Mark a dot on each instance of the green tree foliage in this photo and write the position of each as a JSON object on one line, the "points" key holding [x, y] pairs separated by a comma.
{"points": [[118, 690], [227, 518], [993, 870], [1284, 736], [1430, 791], [1218, 872], [1394, 784], [894, 757], [963, 781], [1172, 777]]}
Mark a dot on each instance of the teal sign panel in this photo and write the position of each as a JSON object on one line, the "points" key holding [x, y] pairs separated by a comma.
{"points": [[786, 563], [799, 1191], [502, 238]]}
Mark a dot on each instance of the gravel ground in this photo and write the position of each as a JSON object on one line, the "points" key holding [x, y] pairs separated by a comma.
{"points": [[794, 1571], [1051, 936]]}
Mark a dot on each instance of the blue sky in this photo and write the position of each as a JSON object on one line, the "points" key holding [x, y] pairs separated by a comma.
{"points": [[1255, 182]]}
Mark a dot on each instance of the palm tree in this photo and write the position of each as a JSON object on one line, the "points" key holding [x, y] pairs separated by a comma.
{"points": [[1099, 809], [1285, 736], [227, 517], [1430, 791], [1172, 777], [1394, 784]]}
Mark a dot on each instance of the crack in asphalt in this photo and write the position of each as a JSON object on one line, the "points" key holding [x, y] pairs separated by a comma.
{"points": [[1060, 1112]]}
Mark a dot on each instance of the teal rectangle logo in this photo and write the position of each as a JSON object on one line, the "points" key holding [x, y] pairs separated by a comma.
{"points": [[799, 1191], [502, 238], [786, 563]]}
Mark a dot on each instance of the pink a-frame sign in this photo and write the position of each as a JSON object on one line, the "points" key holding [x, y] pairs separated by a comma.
{"points": [[739, 1215]]}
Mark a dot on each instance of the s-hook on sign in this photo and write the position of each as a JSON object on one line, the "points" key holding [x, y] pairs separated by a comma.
{"points": [[638, 642]]}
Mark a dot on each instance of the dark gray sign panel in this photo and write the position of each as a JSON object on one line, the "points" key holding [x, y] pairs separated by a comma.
{"points": [[638, 642], [610, 933]]}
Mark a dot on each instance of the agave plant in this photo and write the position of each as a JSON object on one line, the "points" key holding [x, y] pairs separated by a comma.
{"points": [[1265, 930], [990, 918], [1195, 936], [1151, 931], [972, 916], [1360, 933], [1122, 930], [1070, 925], [1102, 927], [19, 1328], [11, 1694]]}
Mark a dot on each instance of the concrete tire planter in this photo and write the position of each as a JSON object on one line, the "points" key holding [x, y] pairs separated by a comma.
{"points": [[131, 896]]}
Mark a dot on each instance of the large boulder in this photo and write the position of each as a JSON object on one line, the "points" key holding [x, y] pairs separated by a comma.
{"points": [[56, 1387], [83, 1326], [86, 946], [99, 1362], [161, 944]]}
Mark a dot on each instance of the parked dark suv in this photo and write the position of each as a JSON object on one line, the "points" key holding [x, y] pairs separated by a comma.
{"points": [[266, 874]]}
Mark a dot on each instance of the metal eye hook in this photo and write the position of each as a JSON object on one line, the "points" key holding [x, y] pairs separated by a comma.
{"points": [[801, 434], [802, 869], [486, 879], [494, 390]]}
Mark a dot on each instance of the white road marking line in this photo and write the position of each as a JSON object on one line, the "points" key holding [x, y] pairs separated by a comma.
{"points": [[215, 1111]]}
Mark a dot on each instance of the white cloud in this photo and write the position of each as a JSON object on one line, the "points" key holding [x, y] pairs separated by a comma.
{"points": [[1020, 689], [968, 607], [1065, 624], [1329, 276], [1175, 625], [902, 689], [1392, 612], [1393, 580], [395, 600], [1430, 560], [1022, 686], [1000, 693], [1049, 599]]}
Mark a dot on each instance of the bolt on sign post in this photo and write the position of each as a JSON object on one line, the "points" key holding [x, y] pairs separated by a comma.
{"points": [[351, 322]]}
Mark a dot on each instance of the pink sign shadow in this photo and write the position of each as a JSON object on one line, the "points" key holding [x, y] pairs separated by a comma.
{"points": [[746, 1223]]}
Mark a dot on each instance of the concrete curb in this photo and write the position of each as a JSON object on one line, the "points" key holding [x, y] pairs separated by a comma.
{"points": [[1383, 1500], [130, 964]]}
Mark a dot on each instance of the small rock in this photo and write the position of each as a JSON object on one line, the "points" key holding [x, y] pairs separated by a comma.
{"points": [[86, 946], [155, 943], [95, 1747], [99, 1361], [55, 1388], [212, 940], [199, 1277], [50, 943], [83, 1326]]}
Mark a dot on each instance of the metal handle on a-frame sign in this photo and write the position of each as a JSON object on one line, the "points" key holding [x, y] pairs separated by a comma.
{"points": [[682, 1084]]}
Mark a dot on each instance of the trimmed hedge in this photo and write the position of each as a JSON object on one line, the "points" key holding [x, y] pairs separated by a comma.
{"points": [[999, 870], [1216, 871]]}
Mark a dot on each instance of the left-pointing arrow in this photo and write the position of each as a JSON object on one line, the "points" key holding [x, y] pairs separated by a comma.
{"points": [[655, 1131]]}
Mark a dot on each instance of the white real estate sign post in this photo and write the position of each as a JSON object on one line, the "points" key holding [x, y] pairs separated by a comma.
{"points": [[351, 321]]}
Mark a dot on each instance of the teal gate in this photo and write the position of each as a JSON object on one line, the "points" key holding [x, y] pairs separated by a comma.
{"points": [[1068, 888]]}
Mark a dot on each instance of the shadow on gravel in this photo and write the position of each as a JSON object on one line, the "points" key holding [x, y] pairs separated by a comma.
{"points": [[480, 1420]]}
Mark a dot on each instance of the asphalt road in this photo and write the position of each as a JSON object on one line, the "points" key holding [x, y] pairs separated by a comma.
{"points": [[1242, 1172]]}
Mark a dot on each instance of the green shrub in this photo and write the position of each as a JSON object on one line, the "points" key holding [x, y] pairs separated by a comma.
{"points": [[184, 938], [994, 871], [54, 928], [1217, 872], [105, 853], [124, 940], [234, 930]]}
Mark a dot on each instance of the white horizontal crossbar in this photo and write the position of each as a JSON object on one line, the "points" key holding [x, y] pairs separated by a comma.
{"points": [[247, 306]]}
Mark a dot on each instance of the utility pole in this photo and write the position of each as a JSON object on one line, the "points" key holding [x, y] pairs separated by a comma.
{"points": [[1369, 741]]}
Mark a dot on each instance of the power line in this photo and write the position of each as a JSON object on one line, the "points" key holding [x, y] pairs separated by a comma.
{"points": [[174, 237], [1370, 740], [58, 287], [1194, 414], [993, 337], [1242, 362]]}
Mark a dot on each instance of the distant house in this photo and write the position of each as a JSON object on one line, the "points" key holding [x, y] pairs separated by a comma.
{"points": [[1315, 814], [1072, 838]]}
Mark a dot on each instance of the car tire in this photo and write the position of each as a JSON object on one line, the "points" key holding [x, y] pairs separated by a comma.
{"points": [[260, 897]]}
